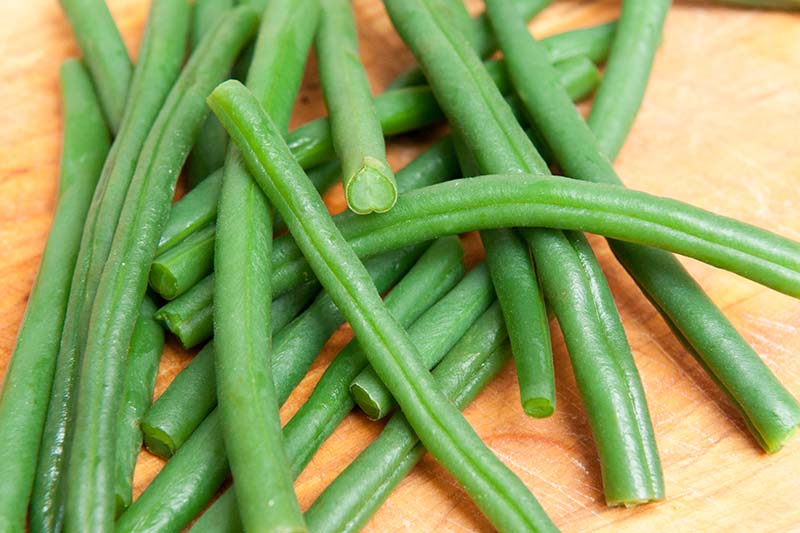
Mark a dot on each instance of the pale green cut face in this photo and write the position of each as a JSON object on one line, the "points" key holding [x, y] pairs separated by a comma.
{"points": [[372, 189]]}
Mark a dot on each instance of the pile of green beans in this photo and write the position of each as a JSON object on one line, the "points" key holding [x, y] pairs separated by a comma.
{"points": [[265, 291]]}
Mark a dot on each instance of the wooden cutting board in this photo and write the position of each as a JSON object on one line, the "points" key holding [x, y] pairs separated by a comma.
{"points": [[719, 128]]}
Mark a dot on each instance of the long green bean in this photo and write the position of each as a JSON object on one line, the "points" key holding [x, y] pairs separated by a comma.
{"points": [[104, 53], [208, 153], [349, 501], [436, 330], [189, 399], [483, 41], [499, 493], [188, 493], [23, 402], [625, 78], [160, 58], [579, 77], [773, 413], [369, 183], [147, 344], [599, 350], [246, 391], [471, 297], [122, 285]]}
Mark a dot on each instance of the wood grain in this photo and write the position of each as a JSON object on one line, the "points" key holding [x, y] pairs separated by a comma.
{"points": [[718, 128]]}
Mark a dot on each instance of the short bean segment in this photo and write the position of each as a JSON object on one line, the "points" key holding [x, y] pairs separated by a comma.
{"points": [[369, 183], [159, 62], [625, 78], [579, 77], [500, 494], [104, 53], [354, 496], [772, 414], [147, 343], [469, 299], [199, 467], [122, 284], [177, 270], [248, 401], [192, 395], [482, 37], [26, 389]]}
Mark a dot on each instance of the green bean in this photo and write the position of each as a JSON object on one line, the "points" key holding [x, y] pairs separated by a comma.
{"points": [[104, 53], [189, 399], [579, 76], [122, 285], [592, 43], [147, 344], [192, 394], [188, 494], [323, 177], [482, 37], [772, 414], [434, 328], [625, 78], [349, 501], [208, 153], [160, 58], [185, 484], [369, 183], [196, 210], [23, 401], [391, 353], [246, 391], [510, 259], [172, 275], [471, 297], [598, 348]]}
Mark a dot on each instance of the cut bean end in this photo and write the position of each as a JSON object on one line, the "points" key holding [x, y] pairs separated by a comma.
{"points": [[158, 442], [372, 189], [538, 407]]}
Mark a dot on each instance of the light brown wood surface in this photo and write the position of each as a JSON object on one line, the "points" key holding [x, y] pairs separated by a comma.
{"points": [[719, 128]]}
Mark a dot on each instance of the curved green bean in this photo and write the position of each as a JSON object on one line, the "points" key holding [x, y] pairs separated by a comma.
{"points": [[160, 58], [104, 53], [625, 78], [369, 183], [188, 494], [482, 37], [89, 494], [147, 343], [246, 391], [579, 77], [349, 501], [499, 493], [469, 299], [26, 388], [772, 414]]}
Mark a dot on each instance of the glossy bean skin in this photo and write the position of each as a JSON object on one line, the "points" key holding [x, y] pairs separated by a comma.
{"points": [[500, 494], [159, 62], [369, 182], [104, 53], [354, 496], [247, 397], [122, 284], [147, 344], [772, 414], [627, 71], [26, 388], [189, 490]]}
